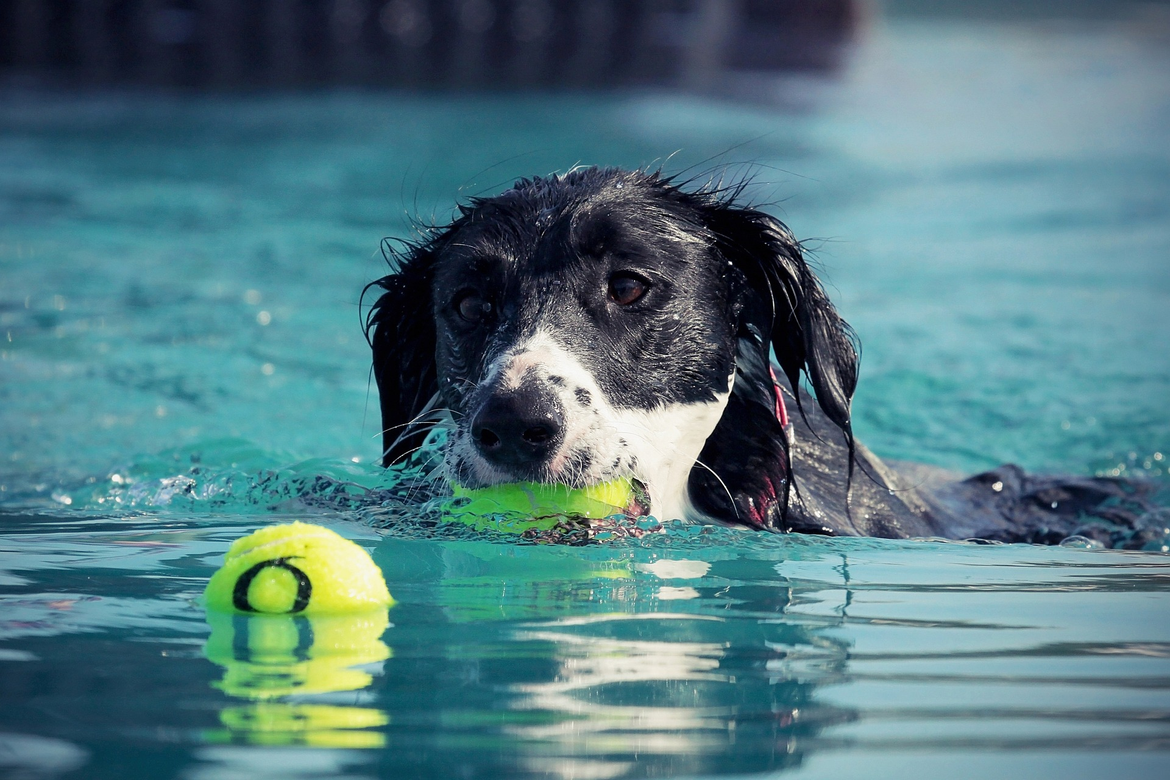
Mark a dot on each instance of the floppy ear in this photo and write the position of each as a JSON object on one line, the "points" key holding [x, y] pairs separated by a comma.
{"points": [[783, 298], [401, 331]]}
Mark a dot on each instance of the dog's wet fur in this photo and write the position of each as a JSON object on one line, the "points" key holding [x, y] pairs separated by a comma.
{"points": [[608, 323]]}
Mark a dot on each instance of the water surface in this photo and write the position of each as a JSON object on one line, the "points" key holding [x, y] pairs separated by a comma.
{"points": [[181, 362]]}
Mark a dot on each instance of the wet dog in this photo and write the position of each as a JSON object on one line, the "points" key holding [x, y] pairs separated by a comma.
{"points": [[608, 323]]}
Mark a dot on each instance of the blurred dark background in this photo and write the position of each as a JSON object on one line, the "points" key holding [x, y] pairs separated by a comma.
{"points": [[449, 44], [453, 44]]}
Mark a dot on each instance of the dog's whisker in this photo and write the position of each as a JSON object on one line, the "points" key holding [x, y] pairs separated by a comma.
{"points": [[726, 489], [427, 410], [435, 416], [411, 451]]}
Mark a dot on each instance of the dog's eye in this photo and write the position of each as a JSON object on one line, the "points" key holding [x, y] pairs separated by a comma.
{"points": [[471, 306], [626, 288]]}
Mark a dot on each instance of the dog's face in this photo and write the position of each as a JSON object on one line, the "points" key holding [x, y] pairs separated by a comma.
{"points": [[583, 332], [590, 326]]}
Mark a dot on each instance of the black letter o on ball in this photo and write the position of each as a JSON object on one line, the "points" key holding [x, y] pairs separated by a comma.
{"points": [[240, 592]]}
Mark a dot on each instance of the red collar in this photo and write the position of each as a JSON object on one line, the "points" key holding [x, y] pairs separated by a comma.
{"points": [[781, 412]]}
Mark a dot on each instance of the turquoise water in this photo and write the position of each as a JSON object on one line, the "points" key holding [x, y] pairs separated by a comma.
{"points": [[181, 362]]}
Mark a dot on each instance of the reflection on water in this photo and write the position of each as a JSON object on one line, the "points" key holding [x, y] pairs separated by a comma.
{"points": [[647, 701], [679, 654], [316, 725], [758, 659], [269, 659], [606, 662]]}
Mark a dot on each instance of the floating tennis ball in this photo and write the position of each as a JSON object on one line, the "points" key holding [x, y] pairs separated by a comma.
{"points": [[296, 569], [518, 506]]}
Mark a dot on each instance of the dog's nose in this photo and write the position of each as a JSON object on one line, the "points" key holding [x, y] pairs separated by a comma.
{"points": [[521, 428]]}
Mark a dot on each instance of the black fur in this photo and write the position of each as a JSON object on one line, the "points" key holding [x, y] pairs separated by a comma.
{"points": [[401, 332]]}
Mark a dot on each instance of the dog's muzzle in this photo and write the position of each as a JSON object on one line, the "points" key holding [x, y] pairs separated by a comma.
{"points": [[519, 429]]}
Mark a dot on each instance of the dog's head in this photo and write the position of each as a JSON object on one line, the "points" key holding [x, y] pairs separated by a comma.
{"points": [[601, 324]]}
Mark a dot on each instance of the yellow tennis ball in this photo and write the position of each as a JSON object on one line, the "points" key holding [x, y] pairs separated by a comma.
{"points": [[537, 505], [297, 568]]}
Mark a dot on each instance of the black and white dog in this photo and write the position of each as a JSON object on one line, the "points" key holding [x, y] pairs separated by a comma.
{"points": [[606, 323]]}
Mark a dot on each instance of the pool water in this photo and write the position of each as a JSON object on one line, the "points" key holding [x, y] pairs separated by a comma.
{"points": [[181, 362]]}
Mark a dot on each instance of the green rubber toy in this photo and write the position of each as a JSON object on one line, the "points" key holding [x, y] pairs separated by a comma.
{"points": [[519, 506]]}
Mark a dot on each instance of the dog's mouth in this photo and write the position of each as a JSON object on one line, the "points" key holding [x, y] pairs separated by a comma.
{"points": [[519, 436], [574, 468], [638, 503], [555, 514], [621, 497]]}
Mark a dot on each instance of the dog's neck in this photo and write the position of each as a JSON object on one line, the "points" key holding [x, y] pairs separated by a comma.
{"points": [[666, 442]]}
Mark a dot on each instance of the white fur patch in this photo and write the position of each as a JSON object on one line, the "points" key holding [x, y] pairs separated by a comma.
{"points": [[657, 446], [667, 442]]}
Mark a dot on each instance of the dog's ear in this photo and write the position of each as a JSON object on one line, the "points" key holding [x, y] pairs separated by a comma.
{"points": [[401, 331], [782, 297]]}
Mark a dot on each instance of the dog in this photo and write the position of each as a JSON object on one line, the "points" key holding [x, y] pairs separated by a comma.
{"points": [[609, 323]]}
